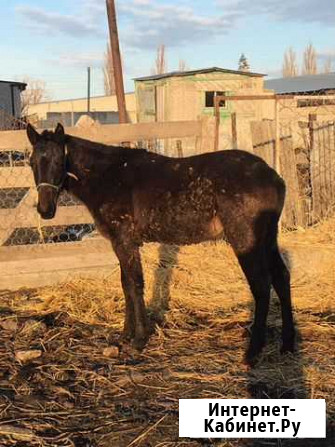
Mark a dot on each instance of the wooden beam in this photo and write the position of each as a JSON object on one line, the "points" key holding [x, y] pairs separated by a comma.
{"points": [[16, 177], [116, 59], [26, 217], [9, 221], [234, 130], [277, 138], [217, 122], [220, 98], [111, 133], [37, 251]]}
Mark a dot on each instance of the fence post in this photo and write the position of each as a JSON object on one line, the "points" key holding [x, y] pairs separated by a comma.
{"points": [[311, 118], [217, 123], [277, 137], [179, 148], [234, 130]]}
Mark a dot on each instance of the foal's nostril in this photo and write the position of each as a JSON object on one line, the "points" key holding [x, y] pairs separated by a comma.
{"points": [[48, 214]]}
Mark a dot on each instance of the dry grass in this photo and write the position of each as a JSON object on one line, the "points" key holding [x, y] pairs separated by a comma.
{"points": [[77, 393]]}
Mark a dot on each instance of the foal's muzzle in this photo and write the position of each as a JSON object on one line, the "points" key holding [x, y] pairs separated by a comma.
{"points": [[47, 201], [46, 215]]}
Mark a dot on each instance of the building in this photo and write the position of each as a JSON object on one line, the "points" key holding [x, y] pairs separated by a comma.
{"points": [[307, 96], [175, 96], [10, 101], [184, 95], [189, 95], [102, 108], [319, 84]]}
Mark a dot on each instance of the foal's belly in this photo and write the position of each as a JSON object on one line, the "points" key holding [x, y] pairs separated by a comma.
{"points": [[183, 218]]}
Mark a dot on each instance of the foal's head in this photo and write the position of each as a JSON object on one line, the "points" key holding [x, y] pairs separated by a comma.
{"points": [[48, 162]]}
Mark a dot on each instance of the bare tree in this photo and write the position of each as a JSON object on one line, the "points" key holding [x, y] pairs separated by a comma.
{"points": [[161, 61], [327, 67], [34, 93], [108, 71], [310, 65], [182, 66], [243, 64], [290, 66]]}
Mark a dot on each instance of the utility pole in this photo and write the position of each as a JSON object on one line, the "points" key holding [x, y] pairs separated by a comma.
{"points": [[88, 90], [114, 40]]}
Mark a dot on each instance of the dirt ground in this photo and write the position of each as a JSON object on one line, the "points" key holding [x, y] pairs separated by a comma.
{"points": [[65, 379]]}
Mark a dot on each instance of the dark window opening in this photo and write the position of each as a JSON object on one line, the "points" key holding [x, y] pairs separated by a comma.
{"points": [[315, 102], [209, 99]]}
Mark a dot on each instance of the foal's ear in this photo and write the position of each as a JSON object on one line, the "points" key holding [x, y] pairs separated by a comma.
{"points": [[32, 134], [59, 131]]}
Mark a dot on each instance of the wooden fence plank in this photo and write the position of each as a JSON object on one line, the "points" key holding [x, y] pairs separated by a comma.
{"points": [[16, 177], [25, 217], [9, 218], [293, 215], [112, 133], [263, 139], [37, 251], [322, 168]]}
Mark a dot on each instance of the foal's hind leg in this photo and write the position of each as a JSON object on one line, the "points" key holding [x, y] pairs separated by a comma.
{"points": [[257, 273], [281, 283], [248, 243]]}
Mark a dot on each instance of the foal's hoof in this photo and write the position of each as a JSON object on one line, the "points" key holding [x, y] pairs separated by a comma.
{"points": [[251, 356], [255, 348], [139, 343], [288, 342], [287, 347], [128, 335]]}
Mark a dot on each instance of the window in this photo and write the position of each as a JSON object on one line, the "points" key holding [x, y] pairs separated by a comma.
{"points": [[315, 102], [209, 99]]}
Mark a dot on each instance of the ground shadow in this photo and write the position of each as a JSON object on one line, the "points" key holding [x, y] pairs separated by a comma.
{"points": [[159, 303], [277, 376]]}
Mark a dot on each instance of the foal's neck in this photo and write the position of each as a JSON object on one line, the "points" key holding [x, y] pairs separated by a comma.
{"points": [[86, 161]]}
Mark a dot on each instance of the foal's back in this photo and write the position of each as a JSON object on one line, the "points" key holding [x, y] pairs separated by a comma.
{"points": [[191, 199]]}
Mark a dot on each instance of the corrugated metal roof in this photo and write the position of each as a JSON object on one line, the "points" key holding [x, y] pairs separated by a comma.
{"points": [[302, 84], [195, 72]]}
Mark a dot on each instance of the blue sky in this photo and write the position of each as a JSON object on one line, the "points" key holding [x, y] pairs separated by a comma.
{"points": [[55, 41]]}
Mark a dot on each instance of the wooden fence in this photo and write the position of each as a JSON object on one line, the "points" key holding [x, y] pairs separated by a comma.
{"points": [[322, 167], [264, 145], [309, 171], [24, 215], [303, 206]]}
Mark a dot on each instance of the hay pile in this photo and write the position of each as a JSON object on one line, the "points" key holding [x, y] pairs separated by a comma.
{"points": [[65, 380]]}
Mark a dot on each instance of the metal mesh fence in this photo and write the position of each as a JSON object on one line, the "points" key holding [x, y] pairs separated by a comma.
{"points": [[306, 131], [19, 221]]}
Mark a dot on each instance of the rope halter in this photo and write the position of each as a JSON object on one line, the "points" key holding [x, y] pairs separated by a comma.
{"points": [[57, 187], [67, 173]]}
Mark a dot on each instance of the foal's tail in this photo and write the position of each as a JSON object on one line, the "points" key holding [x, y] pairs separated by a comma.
{"points": [[280, 274], [275, 215]]}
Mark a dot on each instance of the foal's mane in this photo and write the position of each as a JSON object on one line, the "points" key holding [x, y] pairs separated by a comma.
{"points": [[87, 145], [48, 135]]}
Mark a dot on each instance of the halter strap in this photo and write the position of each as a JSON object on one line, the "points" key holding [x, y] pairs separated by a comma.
{"points": [[67, 173], [56, 187]]}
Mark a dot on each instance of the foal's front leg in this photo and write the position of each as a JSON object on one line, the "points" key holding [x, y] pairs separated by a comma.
{"points": [[129, 322], [136, 325]]}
